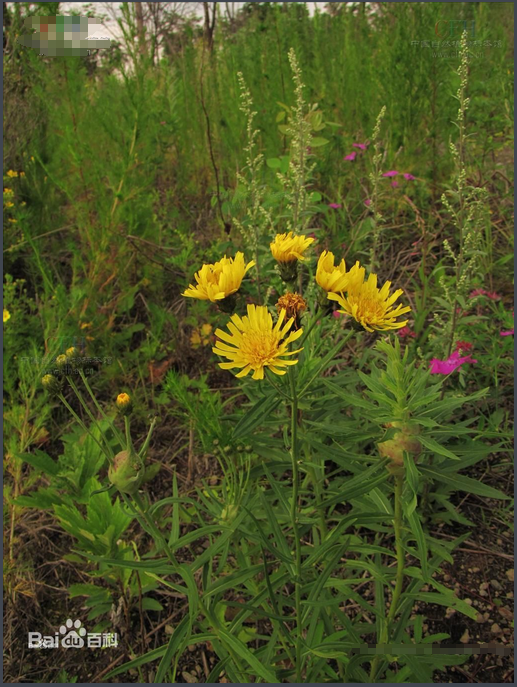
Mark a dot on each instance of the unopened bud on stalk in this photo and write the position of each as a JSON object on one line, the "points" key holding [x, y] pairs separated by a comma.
{"points": [[52, 384], [74, 359], [62, 363], [127, 472], [124, 404], [404, 440]]}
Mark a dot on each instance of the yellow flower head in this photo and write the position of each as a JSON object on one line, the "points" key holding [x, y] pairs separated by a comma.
{"points": [[8, 192], [289, 248], [217, 281], [7, 315], [255, 343], [201, 336], [370, 306], [331, 278], [11, 174], [8, 204]]}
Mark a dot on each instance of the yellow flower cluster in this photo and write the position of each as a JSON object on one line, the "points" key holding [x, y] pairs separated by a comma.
{"points": [[7, 315], [254, 342], [220, 280], [201, 336], [372, 307]]}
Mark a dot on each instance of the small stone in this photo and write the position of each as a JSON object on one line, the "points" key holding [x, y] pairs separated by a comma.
{"points": [[495, 629], [509, 574], [169, 629], [506, 613], [475, 570], [496, 585], [499, 541], [468, 601], [465, 637], [446, 578], [449, 612]]}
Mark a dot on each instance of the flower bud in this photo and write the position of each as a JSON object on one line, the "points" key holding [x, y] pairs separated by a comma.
{"points": [[62, 363], [74, 358], [124, 404], [403, 440], [229, 513], [127, 472], [52, 384]]}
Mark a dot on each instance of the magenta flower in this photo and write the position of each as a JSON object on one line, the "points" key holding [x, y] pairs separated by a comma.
{"points": [[508, 333], [351, 156], [445, 367], [408, 177], [394, 184], [489, 294], [406, 331], [334, 206], [391, 173], [361, 146], [338, 314], [368, 202]]}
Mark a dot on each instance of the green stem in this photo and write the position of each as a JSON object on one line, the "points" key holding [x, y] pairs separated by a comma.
{"points": [[129, 443], [399, 578], [82, 425], [88, 412], [294, 522], [99, 408], [312, 324]]}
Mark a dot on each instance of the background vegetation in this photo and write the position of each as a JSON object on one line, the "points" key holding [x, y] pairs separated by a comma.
{"points": [[120, 180]]}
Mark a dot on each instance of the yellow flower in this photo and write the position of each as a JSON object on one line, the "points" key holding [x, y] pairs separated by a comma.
{"points": [[289, 248], [195, 339], [7, 315], [367, 304], [217, 281], [22, 174], [8, 192], [255, 343], [331, 278], [206, 329], [12, 220], [8, 204], [12, 174], [124, 404]]}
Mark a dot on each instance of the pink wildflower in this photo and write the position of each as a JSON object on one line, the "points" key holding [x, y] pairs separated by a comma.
{"points": [[403, 332], [445, 367], [508, 333], [394, 184], [351, 156], [368, 202], [338, 314], [334, 206], [489, 294], [408, 177], [391, 173], [463, 347], [361, 146]]}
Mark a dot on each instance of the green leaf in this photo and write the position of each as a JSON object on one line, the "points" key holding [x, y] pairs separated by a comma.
{"points": [[252, 418], [435, 447], [448, 600], [149, 604], [463, 483], [317, 142], [174, 643], [243, 652]]}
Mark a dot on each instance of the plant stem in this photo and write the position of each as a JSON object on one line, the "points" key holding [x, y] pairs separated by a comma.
{"points": [[399, 578], [88, 412], [82, 425], [99, 408], [294, 522]]}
